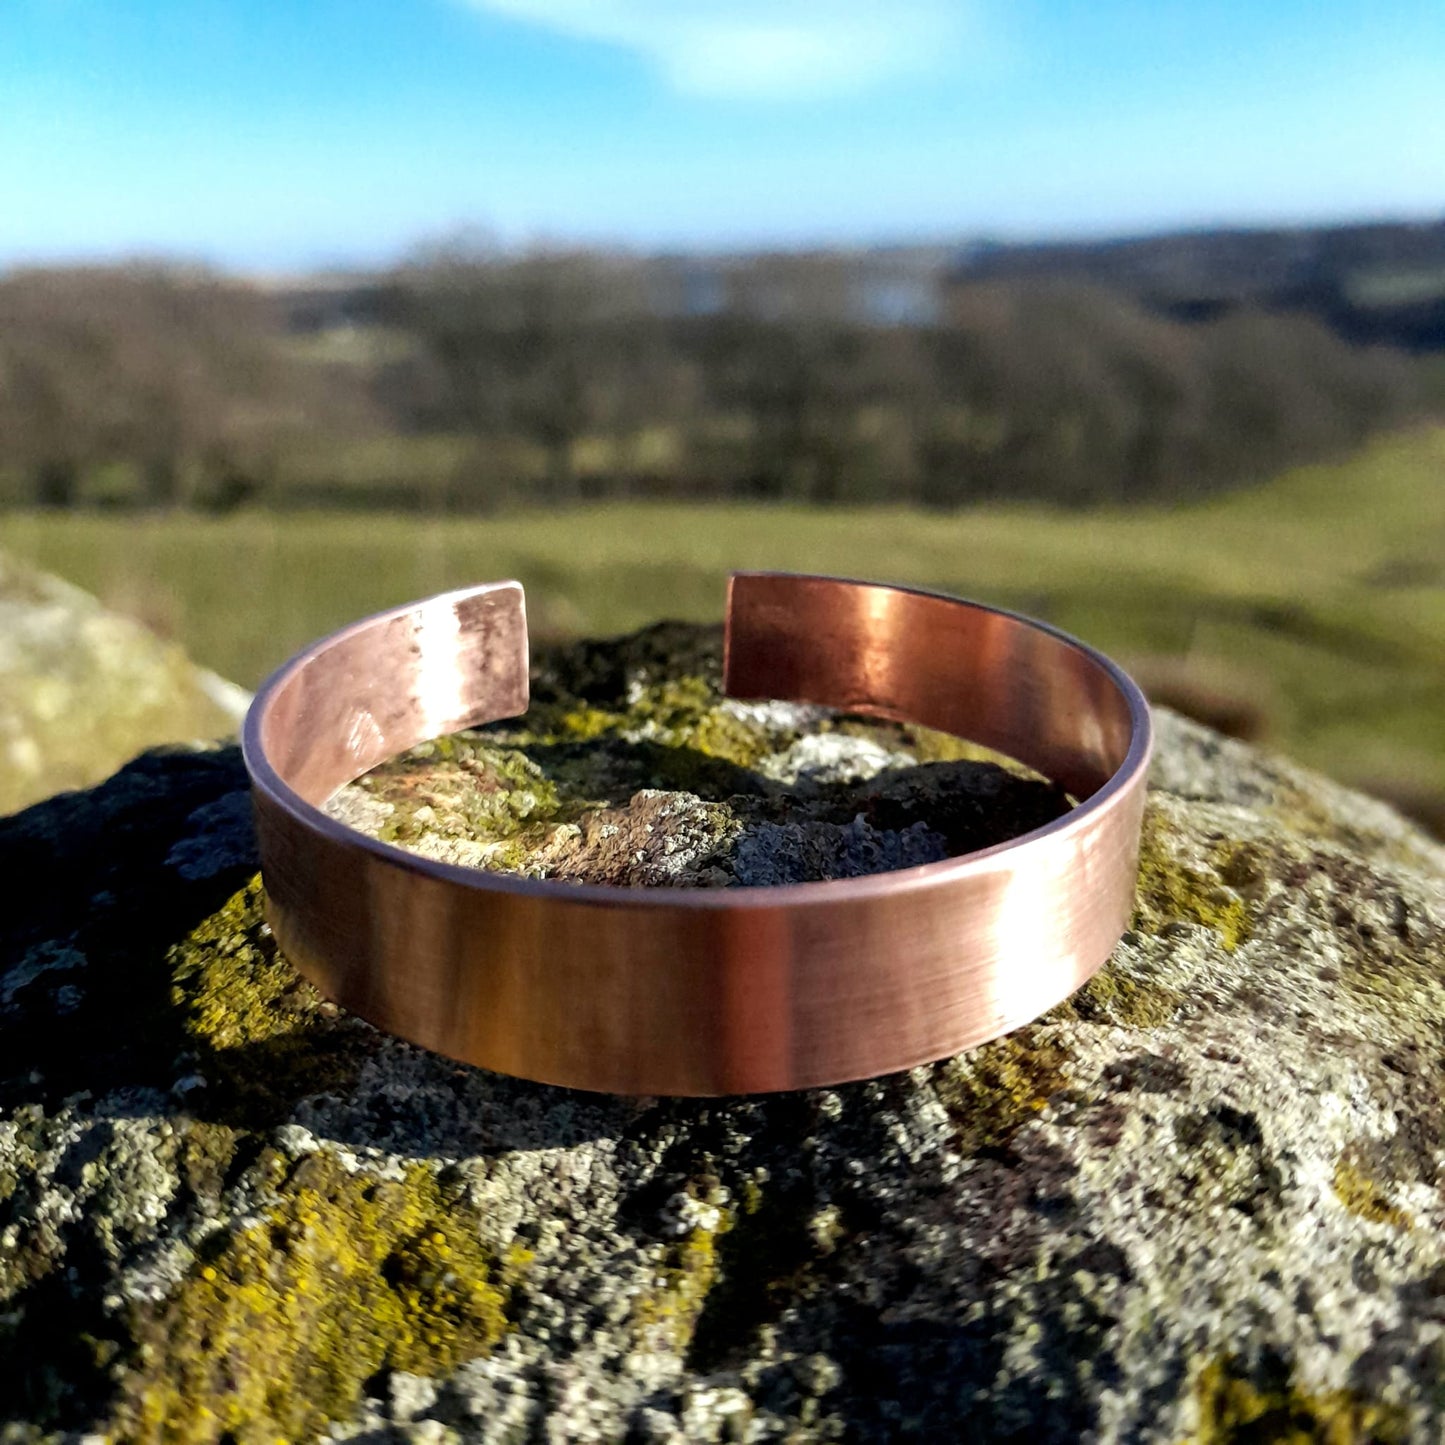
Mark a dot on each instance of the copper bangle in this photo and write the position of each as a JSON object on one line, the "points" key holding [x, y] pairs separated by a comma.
{"points": [[705, 991]]}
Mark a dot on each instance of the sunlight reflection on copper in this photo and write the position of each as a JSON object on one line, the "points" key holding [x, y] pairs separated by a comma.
{"points": [[705, 991]]}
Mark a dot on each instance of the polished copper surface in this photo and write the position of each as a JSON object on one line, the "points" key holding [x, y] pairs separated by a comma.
{"points": [[678, 991]]}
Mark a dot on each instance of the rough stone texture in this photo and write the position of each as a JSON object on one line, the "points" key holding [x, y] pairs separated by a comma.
{"points": [[1201, 1201], [82, 690]]}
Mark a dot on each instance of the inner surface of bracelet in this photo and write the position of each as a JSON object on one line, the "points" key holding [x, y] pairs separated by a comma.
{"points": [[993, 678], [462, 659]]}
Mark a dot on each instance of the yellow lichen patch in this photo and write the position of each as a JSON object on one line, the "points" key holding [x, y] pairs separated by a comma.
{"points": [[1113, 996], [1245, 866], [262, 1035], [476, 791], [1173, 891], [452, 1296], [574, 723], [1233, 1410], [12, 1272], [992, 1090], [548, 723], [681, 712], [234, 990], [204, 1152], [1361, 1195], [673, 1306], [685, 713], [279, 1328]]}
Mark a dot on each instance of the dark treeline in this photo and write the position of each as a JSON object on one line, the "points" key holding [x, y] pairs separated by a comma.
{"points": [[470, 380], [150, 386], [1381, 282]]}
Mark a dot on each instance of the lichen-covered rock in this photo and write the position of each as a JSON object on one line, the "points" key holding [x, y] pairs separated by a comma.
{"points": [[82, 690], [1200, 1201]]}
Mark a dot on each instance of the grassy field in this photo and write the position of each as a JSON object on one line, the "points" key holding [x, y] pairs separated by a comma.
{"points": [[1317, 601]]}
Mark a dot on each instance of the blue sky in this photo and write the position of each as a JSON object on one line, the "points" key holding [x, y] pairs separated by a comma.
{"points": [[278, 134]]}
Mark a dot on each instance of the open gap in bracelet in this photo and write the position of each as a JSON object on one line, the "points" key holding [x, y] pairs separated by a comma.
{"points": [[632, 769]]}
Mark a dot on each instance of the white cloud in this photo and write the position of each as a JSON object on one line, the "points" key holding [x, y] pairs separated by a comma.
{"points": [[753, 49]]}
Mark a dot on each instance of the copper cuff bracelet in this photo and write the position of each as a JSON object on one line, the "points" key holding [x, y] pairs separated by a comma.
{"points": [[705, 991]]}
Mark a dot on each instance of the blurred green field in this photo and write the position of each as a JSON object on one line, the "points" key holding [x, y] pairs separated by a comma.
{"points": [[1314, 606]]}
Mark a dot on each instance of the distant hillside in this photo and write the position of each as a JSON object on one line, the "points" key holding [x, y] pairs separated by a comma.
{"points": [[471, 380], [1382, 283], [1309, 611]]}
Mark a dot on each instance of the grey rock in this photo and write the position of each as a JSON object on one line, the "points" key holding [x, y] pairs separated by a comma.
{"points": [[1201, 1200], [82, 690]]}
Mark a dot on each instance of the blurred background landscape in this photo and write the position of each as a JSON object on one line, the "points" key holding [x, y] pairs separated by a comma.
{"points": [[1148, 339]]}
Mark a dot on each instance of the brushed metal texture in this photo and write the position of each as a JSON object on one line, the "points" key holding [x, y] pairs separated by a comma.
{"points": [[704, 992]]}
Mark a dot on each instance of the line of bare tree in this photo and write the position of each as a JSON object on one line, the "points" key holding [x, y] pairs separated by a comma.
{"points": [[570, 375]]}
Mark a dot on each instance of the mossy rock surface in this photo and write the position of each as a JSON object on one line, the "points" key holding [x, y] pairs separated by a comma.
{"points": [[82, 690], [1200, 1201]]}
